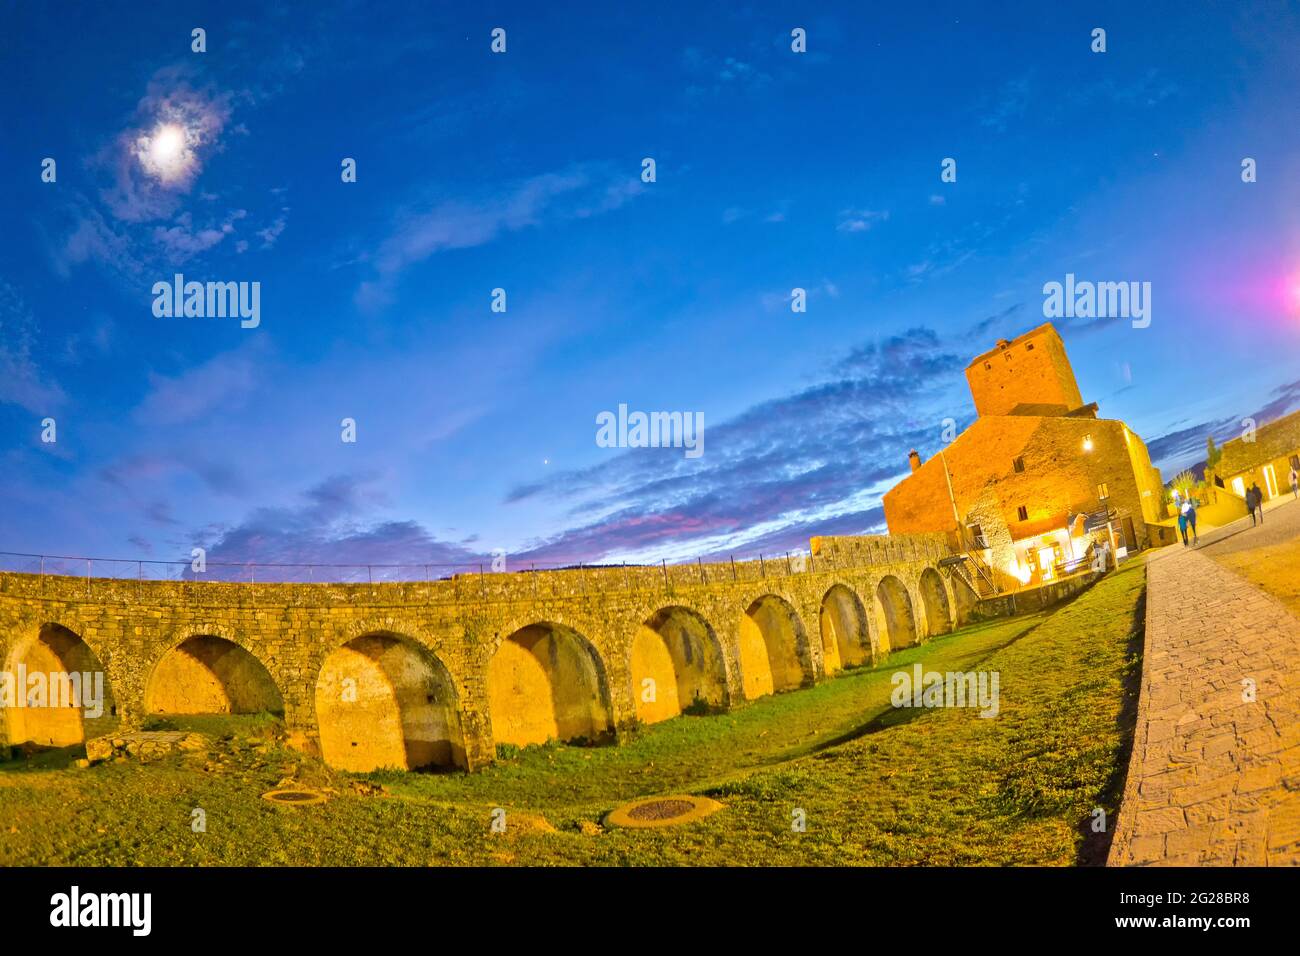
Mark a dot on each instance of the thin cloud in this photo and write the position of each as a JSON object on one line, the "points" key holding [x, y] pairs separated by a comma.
{"points": [[576, 193], [818, 458]]}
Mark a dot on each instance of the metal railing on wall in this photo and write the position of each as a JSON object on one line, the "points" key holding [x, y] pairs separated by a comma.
{"points": [[473, 580]]}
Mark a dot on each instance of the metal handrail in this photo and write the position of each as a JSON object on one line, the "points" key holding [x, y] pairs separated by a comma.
{"points": [[265, 572]]}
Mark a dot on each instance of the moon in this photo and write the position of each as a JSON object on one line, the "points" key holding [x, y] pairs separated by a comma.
{"points": [[166, 152]]}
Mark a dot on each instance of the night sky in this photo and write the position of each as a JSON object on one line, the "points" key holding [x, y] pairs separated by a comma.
{"points": [[522, 171]]}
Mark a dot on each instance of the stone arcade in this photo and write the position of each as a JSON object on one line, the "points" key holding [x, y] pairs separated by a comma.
{"points": [[409, 675]]}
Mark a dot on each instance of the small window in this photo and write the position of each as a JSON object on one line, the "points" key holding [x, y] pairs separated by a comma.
{"points": [[1018, 464], [988, 365], [1029, 346], [1102, 492], [1023, 512], [1008, 356]]}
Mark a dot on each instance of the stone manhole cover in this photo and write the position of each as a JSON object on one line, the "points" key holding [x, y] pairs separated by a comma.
{"points": [[296, 798], [661, 812]]}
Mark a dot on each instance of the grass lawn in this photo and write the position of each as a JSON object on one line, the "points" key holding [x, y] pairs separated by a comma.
{"points": [[875, 784]]}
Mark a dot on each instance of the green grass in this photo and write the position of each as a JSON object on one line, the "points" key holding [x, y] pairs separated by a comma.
{"points": [[876, 785]]}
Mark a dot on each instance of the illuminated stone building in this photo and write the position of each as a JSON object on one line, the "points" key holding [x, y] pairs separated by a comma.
{"points": [[1037, 476]]}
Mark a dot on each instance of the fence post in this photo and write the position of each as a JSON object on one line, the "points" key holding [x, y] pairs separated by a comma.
{"points": [[627, 585], [762, 569], [733, 567], [88, 577], [663, 562], [482, 585], [703, 577]]}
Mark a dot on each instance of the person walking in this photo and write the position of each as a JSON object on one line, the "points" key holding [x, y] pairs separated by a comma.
{"points": [[1182, 522], [1250, 505], [1295, 482], [1191, 518], [1259, 503]]}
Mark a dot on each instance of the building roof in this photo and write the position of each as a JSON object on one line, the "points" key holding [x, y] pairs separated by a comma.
{"points": [[1277, 439], [1046, 327]]}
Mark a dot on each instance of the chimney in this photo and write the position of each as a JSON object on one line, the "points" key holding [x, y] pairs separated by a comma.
{"points": [[915, 459]]}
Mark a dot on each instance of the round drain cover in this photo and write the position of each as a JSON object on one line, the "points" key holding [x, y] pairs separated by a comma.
{"points": [[661, 812], [294, 797]]}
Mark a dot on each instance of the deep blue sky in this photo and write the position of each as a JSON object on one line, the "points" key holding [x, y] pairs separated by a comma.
{"points": [[476, 430]]}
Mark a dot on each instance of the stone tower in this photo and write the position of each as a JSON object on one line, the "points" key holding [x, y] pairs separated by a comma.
{"points": [[1029, 375]]}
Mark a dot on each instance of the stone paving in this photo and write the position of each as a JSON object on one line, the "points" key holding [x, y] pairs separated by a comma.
{"points": [[1214, 778]]}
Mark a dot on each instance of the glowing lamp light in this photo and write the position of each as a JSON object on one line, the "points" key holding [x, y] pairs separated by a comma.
{"points": [[1087, 443]]}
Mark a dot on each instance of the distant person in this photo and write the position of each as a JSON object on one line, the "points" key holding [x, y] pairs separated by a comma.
{"points": [[1295, 482], [1191, 518], [1259, 503], [1182, 522]]}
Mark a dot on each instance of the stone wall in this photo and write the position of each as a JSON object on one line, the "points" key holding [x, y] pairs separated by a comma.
{"points": [[456, 627]]}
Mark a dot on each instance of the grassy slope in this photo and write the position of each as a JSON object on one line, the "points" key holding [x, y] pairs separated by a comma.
{"points": [[937, 786]]}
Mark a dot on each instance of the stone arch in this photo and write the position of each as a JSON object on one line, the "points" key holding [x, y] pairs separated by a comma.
{"points": [[66, 688], [894, 618], [934, 602], [385, 700], [547, 682], [209, 674], [964, 599], [773, 648], [677, 650], [846, 641]]}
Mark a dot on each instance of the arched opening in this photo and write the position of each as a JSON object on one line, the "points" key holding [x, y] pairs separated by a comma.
{"points": [[845, 639], [894, 619], [773, 648], [546, 682], [385, 701], [965, 599], [934, 599], [211, 675], [57, 692], [676, 665]]}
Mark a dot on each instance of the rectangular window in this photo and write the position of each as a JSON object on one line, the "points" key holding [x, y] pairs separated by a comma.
{"points": [[1018, 464], [1023, 512], [1102, 491]]}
